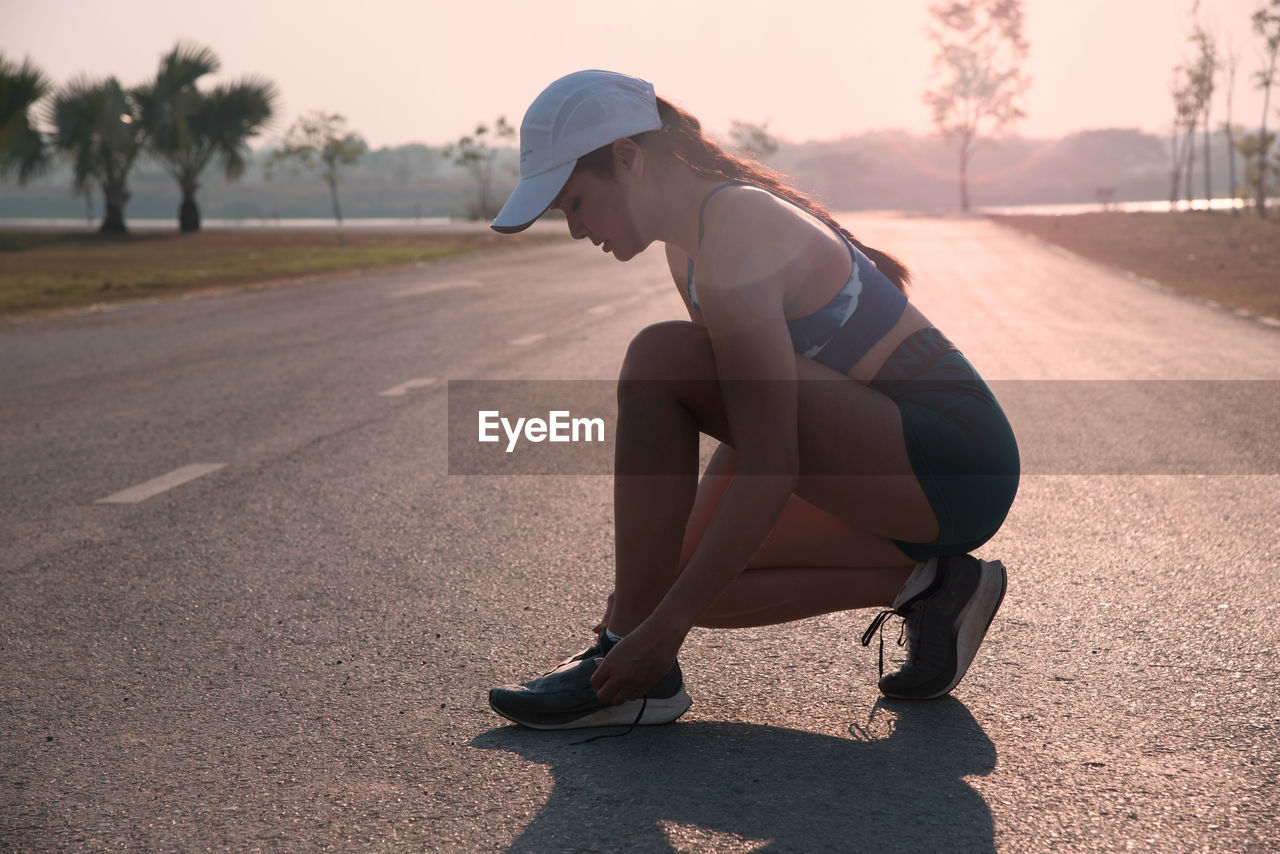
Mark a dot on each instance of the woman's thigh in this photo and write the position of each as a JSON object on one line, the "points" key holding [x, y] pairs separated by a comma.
{"points": [[854, 466]]}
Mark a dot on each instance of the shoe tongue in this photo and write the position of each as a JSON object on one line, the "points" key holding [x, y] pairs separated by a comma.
{"points": [[918, 584]]}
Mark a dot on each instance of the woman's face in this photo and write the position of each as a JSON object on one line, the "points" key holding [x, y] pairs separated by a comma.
{"points": [[599, 208]]}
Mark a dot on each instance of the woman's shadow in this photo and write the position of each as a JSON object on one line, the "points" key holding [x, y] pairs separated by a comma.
{"points": [[895, 785]]}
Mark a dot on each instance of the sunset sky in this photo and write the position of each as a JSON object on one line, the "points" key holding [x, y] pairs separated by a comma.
{"points": [[428, 71]]}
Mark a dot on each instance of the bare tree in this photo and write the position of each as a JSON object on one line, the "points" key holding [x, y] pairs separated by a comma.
{"points": [[1182, 139], [1193, 117], [979, 74], [1266, 23], [1229, 129], [1203, 72], [320, 141], [477, 156]]}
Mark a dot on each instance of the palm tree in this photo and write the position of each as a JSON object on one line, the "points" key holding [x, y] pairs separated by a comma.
{"points": [[96, 123], [187, 127], [21, 145]]}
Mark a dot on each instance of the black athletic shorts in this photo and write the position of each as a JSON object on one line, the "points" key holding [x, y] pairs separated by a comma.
{"points": [[958, 439]]}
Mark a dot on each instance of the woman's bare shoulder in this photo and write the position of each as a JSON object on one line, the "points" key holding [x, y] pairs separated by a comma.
{"points": [[753, 232]]}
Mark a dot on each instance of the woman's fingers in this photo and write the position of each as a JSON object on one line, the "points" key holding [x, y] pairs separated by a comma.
{"points": [[613, 681], [608, 615], [629, 670]]}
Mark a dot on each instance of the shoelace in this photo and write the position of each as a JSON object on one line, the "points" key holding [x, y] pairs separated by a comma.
{"points": [[598, 649], [644, 702], [878, 623]]}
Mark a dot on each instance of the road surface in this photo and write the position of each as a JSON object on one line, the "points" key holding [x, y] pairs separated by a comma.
{"points": [[245, 605]]}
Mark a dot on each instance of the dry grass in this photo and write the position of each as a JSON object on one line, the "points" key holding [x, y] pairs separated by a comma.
{"points": [[1231, 260], [42, 271]]}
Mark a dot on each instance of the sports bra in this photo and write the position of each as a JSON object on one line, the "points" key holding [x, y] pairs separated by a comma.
{"points": [[842, 331]]}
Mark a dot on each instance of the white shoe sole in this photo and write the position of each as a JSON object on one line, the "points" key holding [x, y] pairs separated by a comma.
{"points": [[974, 621], [656, 712], [976, 617]]}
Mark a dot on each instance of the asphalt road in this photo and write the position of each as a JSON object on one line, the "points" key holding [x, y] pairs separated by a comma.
{"points": [[288, 647]]}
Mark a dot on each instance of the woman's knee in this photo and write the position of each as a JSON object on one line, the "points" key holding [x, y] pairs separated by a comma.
{"points": [[670, 371], [671, 350]]}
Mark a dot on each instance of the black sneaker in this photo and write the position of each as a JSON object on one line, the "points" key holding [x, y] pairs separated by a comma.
{"points": [[948, 604], [562, 698]]}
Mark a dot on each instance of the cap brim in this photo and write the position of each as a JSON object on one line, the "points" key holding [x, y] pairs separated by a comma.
{"points": [[531, 198]]}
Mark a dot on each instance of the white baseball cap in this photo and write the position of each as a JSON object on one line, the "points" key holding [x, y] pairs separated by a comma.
{"points": [[573, 116]]}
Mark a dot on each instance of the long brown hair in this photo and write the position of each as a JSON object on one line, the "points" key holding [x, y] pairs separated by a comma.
{"points": [[681, 137]]}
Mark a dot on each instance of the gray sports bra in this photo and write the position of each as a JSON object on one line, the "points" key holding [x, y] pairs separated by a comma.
{"points": [[842, 331]]}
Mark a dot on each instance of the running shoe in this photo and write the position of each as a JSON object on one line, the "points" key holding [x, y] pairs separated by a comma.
{"points": [[563, 698], [947, 604]]}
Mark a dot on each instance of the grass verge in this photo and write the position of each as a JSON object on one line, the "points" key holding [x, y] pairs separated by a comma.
{"points": [[1232, 260], [49, 271]]}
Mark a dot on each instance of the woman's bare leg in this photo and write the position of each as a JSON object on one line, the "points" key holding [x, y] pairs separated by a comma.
{"points": [[856, 479], [763, 597], [812, 563]]}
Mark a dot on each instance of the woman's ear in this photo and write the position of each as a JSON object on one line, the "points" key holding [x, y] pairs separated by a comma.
{"points": [[628, 161]]}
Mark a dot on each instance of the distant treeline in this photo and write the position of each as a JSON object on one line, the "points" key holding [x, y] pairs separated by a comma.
{"points": [[881, 170]]}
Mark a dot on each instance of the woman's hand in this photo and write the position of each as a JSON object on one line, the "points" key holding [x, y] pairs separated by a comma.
{"points": [[608, 615], [637, 662]]}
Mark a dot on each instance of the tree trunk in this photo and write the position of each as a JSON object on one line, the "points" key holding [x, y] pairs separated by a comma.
{"points": [[1231, 167], [333, 194], [1263, 147], [114, 197], [1190, 155], [1230, 131], [486, 173], [964, 174], [1208, 190], [189, 211]]}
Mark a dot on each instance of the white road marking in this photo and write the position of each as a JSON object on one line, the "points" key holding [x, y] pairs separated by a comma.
{"points": [[526, 340], [437, 287], [404, 387], [163, 483]]}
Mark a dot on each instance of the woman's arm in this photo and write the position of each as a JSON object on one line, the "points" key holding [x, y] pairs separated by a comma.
{"points": [[755, 362]]}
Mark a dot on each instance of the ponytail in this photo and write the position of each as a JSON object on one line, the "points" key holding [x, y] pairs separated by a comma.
{"points": [[681, 138]]}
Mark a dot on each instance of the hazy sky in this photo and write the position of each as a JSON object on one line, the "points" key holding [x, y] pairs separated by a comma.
{"points": [[429, 70]]}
